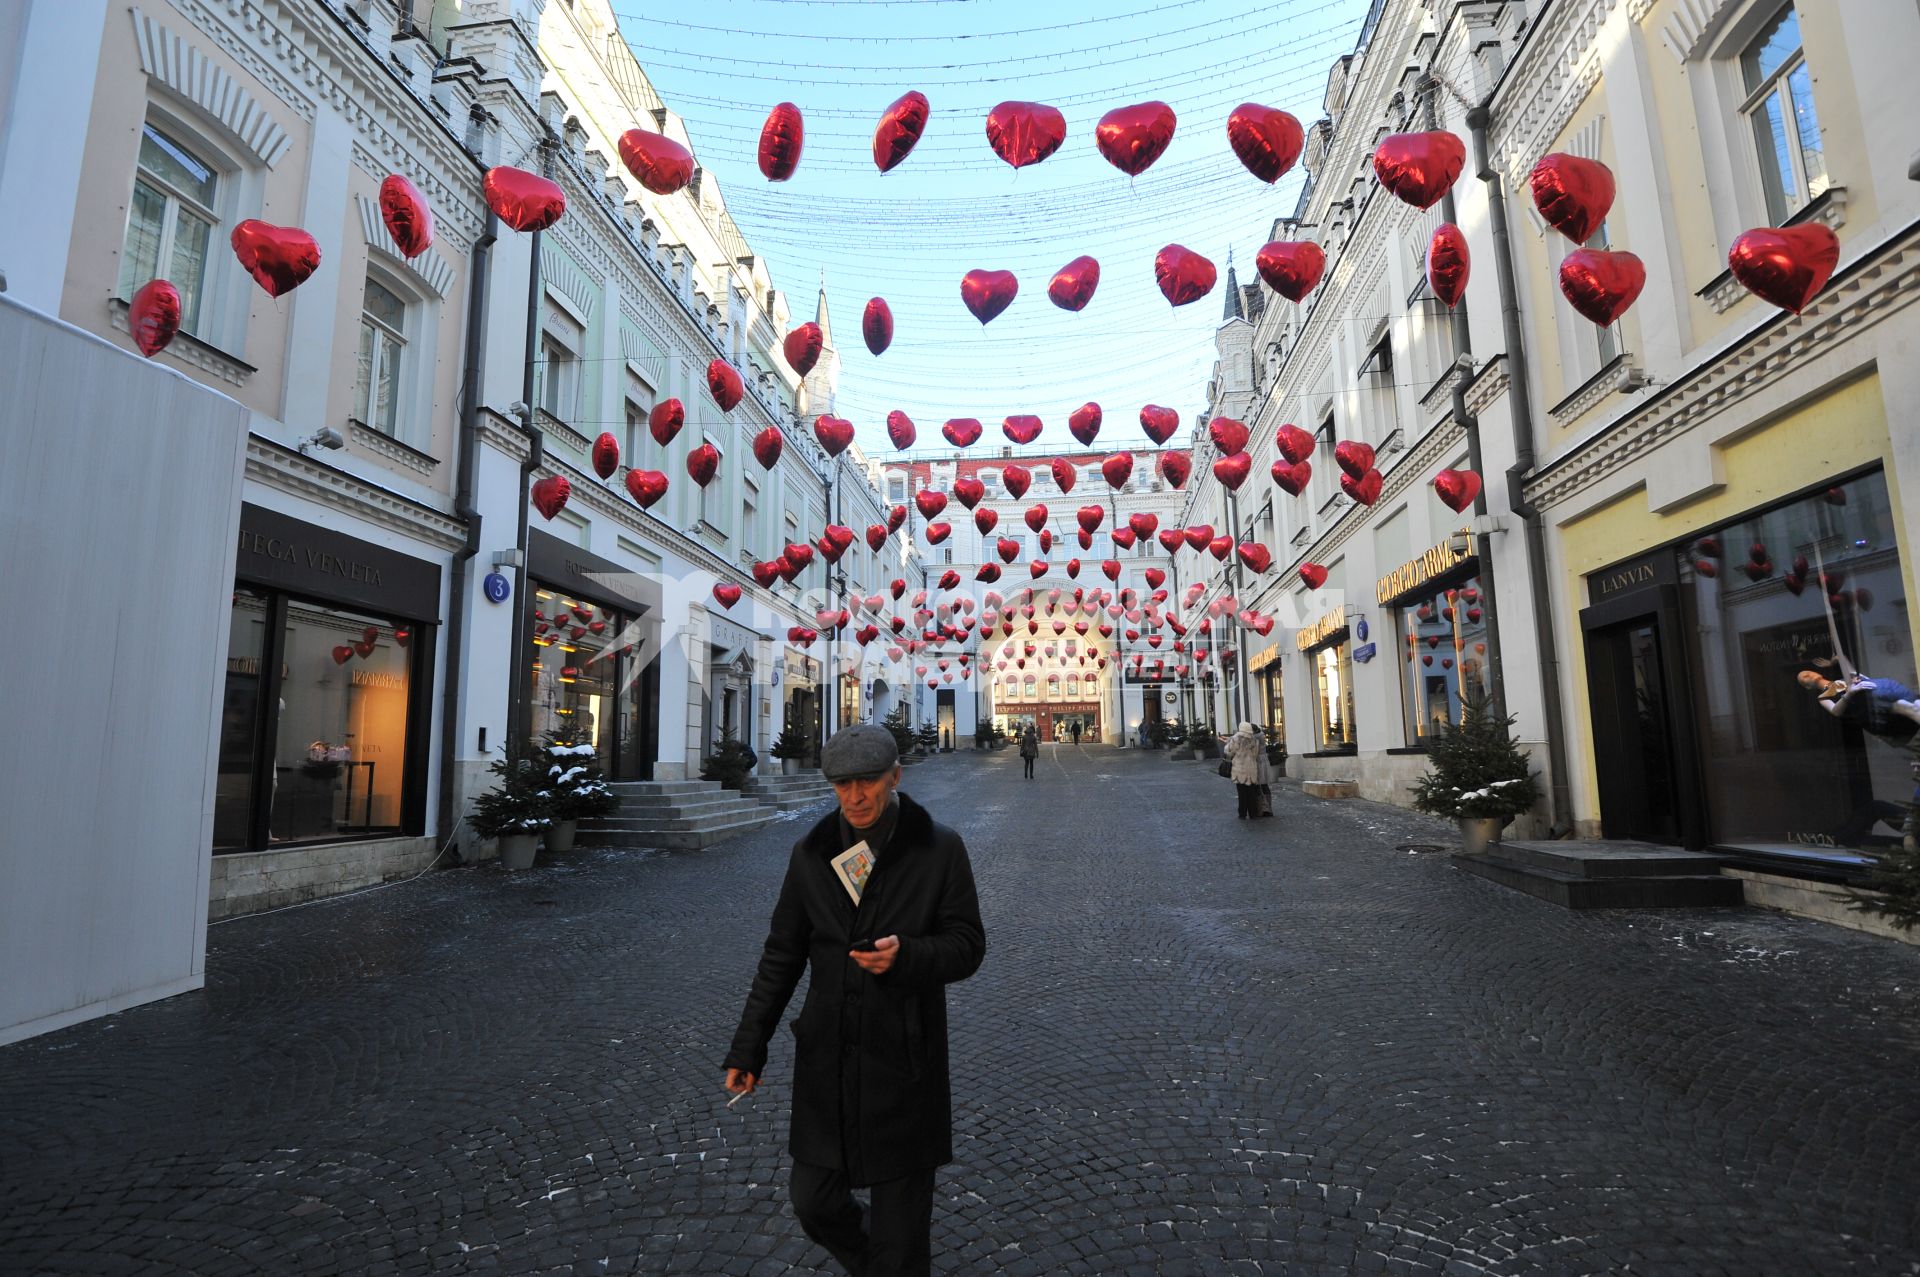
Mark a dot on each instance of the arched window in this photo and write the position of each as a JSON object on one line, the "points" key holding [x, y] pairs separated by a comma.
{"points": [[1030, 687], [1053, 687], [1073, 687]]}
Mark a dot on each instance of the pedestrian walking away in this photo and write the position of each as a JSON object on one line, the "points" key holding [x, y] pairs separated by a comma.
{"points": [[1076, 731], [879, 905], [1029, 748], [1247, 752]]}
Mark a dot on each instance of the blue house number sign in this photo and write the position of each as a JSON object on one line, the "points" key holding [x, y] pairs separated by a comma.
{"points": [[498, 588]]}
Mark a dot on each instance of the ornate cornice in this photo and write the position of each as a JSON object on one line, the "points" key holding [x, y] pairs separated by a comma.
{"points": [[1557, 68], [190, 350], [392, 449], [1622, 373], [1487, 385], [1869, 291], [273, 466], [1688, 26], [165, 57]]}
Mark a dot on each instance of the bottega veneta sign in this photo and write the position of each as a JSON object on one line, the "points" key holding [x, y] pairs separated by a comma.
{"points": [[278, 550]]}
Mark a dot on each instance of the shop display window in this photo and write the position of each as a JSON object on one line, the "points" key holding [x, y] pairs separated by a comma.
{"points": [[1800, 659], [240, 714], [1443, 645], [1276, 704], [576, 671], [1333, 696]]}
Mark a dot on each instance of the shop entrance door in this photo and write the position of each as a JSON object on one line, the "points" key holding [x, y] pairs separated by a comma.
{"points": [[1643, 745]]}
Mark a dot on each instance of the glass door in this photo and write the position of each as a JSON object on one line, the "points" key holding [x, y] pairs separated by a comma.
{"points": [[1638, 750]]}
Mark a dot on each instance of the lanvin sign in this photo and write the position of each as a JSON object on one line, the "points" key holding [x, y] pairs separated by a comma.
{"points": [[1648, 572], [305, 558]]}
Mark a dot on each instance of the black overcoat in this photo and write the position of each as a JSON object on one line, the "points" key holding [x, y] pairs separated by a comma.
{"points": [[871, 1092]]}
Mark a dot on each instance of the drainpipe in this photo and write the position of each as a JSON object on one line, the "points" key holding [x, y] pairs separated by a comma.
{"points": [[519, 707], [1536, 540], [479, 277]]}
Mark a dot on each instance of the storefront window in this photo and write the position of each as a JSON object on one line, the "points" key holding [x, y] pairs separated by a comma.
{"points": [[1443, 636], [240, 721], [576, 671], [340, 756], [1333, 701], [1802, 671], [1276, 703]]}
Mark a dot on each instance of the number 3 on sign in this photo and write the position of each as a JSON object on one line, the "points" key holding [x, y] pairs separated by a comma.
{"points": [[498, 588]]}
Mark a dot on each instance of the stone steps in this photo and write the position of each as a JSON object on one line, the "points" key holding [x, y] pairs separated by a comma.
{"points": [[791, 793], [1607, 875], [675, 815]]}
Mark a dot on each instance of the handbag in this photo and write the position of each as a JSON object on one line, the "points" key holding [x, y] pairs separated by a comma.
{"points": [[1264, 801], [1226, 768]]}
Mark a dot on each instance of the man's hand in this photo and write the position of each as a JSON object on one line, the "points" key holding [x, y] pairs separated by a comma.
{"points": [[878, 960], [741, 1082]]}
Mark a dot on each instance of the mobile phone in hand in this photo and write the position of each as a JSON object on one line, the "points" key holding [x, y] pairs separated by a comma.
{"points": [[863, 946]]}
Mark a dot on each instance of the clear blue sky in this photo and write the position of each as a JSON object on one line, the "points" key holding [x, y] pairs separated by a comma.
{"points": [[953, 205]]}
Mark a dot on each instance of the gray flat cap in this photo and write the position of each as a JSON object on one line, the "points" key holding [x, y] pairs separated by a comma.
{"points": [[865, 749]]}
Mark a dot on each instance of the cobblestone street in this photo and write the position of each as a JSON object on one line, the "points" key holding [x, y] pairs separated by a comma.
{"points": [[1197, 1046]]}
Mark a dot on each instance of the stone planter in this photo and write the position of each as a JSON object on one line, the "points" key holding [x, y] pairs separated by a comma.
{"points": [[560, 835], [517, 850], [1477, 833], [789, 767]]}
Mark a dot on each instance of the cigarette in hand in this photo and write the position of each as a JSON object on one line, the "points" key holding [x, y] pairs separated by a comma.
{"points": [[736, 1099]]}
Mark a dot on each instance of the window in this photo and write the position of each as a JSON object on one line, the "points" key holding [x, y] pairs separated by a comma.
{"points": [[1444, 656], [1779, 108], [750, 534], [170, 222], [639, 404], [1333, 699], [383, 341], [896, 489], [561, 341]]}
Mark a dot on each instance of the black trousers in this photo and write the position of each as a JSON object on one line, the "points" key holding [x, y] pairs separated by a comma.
{"points": [[1029, 763], [1249, 799], [896, 1241]]}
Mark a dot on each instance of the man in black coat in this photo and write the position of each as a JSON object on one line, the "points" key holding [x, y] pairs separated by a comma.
{"points": [[872, 1102]]}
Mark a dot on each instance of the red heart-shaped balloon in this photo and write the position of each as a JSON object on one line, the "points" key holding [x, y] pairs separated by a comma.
{"points": [[1084, 424], [1295, 444], [407, 217], [1419, 167], [931, 501], [834, 433], [767, 445], [1457, 488], [1039, 569], [835, 539], [1197, 537], [550, 495], [1254, 555], [280, 258], [1017, 480], [938, 532], [702, 462], [1159, 423], [153, 316], [1022, 429], [895, 517], [1233, 471], [664, 422], [606, 455], [1112, 568], [343, 653], [1313, 574], [968, 491], [1365, 489], [1601, 284], [799, 555], [1183, 275], [961, 431], [1171, 539], [1220, 547], [1064, 476], [988, 292], [899, 129], [1007, 548], [1073, 284], [1447, 264], [876, 536], [1786, 267], [525, 201], [724, 384], [1572, 194], [1228, 435], [656, 161], [727, 592], [1292, 479], [1175, 467], [876, 324], [1023, 133], [1116, 469], [802, 347], [986, 519], [1123, 537], [1133, 137], [900, 429], [1354, 457], [1266, 139], [1291, 267], [646, 486], [781, 138], [1090, 516], [1143, 523]]}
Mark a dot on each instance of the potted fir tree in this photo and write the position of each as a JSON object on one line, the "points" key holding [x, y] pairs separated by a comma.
{"points": [[516, 812], [927, 739], [730, 763], [578, 786], [791, 747], [903, 736], [1479, 776]]}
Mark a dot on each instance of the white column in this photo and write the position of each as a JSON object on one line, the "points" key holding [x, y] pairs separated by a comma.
{"points": [[310, 332], [49, 53]]}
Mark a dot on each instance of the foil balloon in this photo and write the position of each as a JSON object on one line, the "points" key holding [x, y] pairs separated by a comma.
{"points": [[834, 433], [1073, 284], [896, 516], [899, 129], [1572, 194], [1063, 473], [876, 324], [1254, 555], [1313, 574], [724, 384], [1023, 133], [1353, 457], [876, 536], [606, 455], [1022, 428], [280, 258], [1017, 480], [646, 486], [988, 292], [1228, 435], [767, 445], [1159, 423], [961, 431], [153, 316], [1457, 488], [525, 201], [550, 495], [900, 429], [1419, 167], [1292, 477], [1090, 516], [930, 501], [1183, 275], [1601, 284], [1295, 444], [1267, 140], [1291, 267], [1117, 468], [986, 520], [1233, 471], [1788, 267], [727, 593], [1447, 264], [1133, 137], [802, 347], [969, 491], [1084, 424], [780, 141], [664, 422], [407, 217], [1036, 516], [656, 161], [1365, 489], [702, 462]]}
